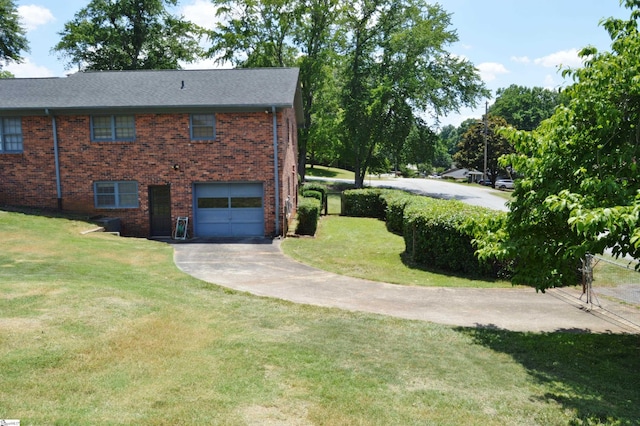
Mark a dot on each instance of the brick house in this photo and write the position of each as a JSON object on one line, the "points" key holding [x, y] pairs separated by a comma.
{"points": [[148, 147]]}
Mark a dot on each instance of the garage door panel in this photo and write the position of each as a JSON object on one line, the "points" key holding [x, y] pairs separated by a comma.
{"points": [[232, 209]]}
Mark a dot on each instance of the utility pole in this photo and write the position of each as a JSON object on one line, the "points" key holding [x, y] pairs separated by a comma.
{"points": [[486, 129]]}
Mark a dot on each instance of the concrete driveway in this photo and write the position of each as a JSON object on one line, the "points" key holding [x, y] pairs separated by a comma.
{"points": [[259, 267]]}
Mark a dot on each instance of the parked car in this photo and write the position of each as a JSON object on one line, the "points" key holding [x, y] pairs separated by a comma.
{"points": [[504, 184], [485, 182]]}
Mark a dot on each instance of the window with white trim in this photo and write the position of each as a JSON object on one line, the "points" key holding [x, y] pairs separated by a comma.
{"points": [[10, 134], [203, 126], [116, 195], [111, 128]]}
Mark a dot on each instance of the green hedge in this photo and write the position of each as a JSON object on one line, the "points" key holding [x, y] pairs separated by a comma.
{"points": [[308, 214], [311, 193], [438, 234], [395, 202], [315, 186], [364, 203]]}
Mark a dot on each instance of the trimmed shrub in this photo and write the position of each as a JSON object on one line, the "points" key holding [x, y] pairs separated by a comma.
{"points": [[310, 193], [308, 215], [310, 189], [315, 186], [364, 203], [396, 201], [437, 234]]}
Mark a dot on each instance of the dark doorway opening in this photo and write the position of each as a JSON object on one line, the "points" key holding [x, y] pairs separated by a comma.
{"points": [[160, 210]]}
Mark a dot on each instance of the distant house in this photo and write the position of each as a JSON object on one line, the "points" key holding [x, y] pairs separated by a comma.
{"points": [[462, 174], [147, 147]]}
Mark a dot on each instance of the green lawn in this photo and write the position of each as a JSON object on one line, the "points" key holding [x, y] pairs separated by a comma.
{"points": [[101, 330], [363, 248]]}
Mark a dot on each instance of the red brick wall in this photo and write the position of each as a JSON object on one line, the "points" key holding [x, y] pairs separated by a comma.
{"points": [[242, 151], [29, 178]]}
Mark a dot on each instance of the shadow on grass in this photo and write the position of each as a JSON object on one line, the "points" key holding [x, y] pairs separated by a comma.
{"points": [[318, 171], [597, 376], [409, 263]]}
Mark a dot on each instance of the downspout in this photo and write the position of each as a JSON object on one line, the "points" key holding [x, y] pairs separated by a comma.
{"points": [[56, 157], [276, 167]]}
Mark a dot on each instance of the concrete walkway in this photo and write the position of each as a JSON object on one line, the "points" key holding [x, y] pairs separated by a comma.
{"points": [[259, 267]]}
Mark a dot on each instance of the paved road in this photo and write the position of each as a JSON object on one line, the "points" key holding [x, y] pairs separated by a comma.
{"points": [[259, 267], [438, 188]]}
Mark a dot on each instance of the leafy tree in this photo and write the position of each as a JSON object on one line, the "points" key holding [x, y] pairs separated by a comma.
{"points": [[397, 65], [6, 74], [255, 33], [470, 152], [580, 191], [277, 33], [421, 146], [448, 140], [128, 35], [523, 107], [12, 35]]}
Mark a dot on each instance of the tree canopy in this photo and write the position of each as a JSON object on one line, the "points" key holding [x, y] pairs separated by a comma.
{"points": [[470, 152], [12, 35], [277, 33], [377, 65], [525, 107], [128, 35], [580, 190], [397, 67]]}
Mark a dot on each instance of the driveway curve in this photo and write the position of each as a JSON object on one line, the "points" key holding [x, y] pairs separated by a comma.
{"points": [[259, 267]]}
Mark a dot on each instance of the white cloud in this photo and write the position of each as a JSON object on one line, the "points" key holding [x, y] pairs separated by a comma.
{"points": [[202, 13], [521, 59], [33, 16], [566, 58], [28, 69], [550, 82], [489, 71]]}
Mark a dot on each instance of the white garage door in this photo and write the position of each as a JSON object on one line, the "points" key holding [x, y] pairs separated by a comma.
{"points": [[229, 209]]}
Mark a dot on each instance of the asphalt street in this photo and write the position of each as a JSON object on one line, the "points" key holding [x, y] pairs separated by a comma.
{"points": [[438, 188]]}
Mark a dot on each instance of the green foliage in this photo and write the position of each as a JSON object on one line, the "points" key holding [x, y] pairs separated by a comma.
{"points": [[396, 202], [394, 50], [437, 234], [580, 188], [310, 193], [471, 148], [13, 40], [525, 108], [366, 202], [129, 35], [315, 186], [308, 215], [278, 33]]}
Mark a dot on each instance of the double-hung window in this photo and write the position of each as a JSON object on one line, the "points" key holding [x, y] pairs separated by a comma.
{"points": [[110, 128], [10, 134], [116, 195], [203, 126]]}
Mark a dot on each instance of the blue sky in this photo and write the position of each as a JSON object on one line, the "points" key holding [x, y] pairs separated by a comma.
{"points": [[510, 41]]}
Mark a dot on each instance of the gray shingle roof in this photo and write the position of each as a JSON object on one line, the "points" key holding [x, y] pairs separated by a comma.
{"points": [[163, 89]]}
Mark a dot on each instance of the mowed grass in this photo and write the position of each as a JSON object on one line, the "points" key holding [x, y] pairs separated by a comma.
{"points": [[363, 248], [101, 330]]}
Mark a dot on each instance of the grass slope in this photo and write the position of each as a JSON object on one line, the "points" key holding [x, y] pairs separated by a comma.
{"points": [[363, 248], [97, 330]]}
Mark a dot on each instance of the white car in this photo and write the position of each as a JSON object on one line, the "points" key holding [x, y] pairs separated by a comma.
{"points": [[504, 184]]}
